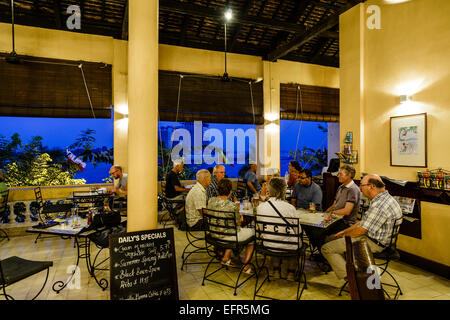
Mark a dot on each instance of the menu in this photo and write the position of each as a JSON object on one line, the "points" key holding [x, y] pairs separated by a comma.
{"points": [[143, 265]]}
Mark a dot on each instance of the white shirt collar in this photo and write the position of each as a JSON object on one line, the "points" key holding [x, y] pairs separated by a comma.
{"points": [[350, 184]]}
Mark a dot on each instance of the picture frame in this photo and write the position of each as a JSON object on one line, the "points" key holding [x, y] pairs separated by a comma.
{"points": [[408, 141]]}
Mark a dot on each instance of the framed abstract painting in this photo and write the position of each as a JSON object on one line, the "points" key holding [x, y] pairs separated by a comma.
{"points": [[409, 141]]}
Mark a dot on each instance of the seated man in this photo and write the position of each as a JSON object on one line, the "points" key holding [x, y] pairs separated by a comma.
{"points": [[222, 203], [174, 190], [271, 173], [306, 191], [120, 187], [277, 191], [196, 201], [251, 179], [375, 227], [346, 203], [218, 174]]}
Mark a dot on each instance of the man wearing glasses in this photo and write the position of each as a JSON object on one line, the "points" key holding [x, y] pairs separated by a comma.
{"points": [[376, 225], [306, 192], [346, 203], [119, 188]]}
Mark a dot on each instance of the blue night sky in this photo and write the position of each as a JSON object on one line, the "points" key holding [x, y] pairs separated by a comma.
{"points": [[63, 132]]}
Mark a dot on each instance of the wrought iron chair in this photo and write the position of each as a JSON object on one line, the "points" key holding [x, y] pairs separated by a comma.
{"points": [[14, 269], [170, 209], [46, 211], [3, 207], [221, 232], [241, 188], [390, 253], [196, 244], [279, 237]]}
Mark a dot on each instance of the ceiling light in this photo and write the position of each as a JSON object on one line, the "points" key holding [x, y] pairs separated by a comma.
{"points": [[228, 14]]}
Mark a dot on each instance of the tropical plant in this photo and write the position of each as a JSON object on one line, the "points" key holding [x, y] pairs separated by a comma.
{"points": [[86, 142], [39, 171], [311, 159]]}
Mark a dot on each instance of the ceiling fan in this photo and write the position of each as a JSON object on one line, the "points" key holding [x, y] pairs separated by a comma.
{"points": [[13, 57], [228, 16]]}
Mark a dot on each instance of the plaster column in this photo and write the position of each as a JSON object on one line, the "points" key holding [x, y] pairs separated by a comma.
{"points": [[269, 157], [143, 115], [351, 53], [120, 101]]}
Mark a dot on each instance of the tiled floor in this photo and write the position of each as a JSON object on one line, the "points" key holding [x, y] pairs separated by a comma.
{"points": [[415, 283]]}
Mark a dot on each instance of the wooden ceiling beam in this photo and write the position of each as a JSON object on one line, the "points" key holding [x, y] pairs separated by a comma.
{"points": [[125, 23], [204, 12], [316, 31]]}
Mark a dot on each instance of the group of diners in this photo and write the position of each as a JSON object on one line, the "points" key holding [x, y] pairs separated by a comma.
{"points": [[216, 193]]}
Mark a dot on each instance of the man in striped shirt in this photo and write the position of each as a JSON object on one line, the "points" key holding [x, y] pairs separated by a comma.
{"points": [[218, 174], [376, 225]]}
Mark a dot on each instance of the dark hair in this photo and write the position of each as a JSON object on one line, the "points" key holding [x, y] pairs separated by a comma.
{"points": [[377, 183], [224, 187], [307, 172], [2, 175], [296, 165]]}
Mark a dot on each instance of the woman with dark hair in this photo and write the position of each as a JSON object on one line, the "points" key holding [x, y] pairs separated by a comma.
{"points": [[221, 203], [294, 170]]}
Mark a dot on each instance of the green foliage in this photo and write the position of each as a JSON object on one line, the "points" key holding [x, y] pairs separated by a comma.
{"points": [[39, 171], [86, 142], [310, 158], [34, 164], [165, 165]]}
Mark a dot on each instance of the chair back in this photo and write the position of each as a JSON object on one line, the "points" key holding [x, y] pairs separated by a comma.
{"points": [[395, 232], [364, 284], [221, 228], [4, 197], [38, 195], [241, 188], [277, 235]]}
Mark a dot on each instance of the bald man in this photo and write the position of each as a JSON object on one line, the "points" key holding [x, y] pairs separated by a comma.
{"points": [[120, 187], [196, 200], [375, 226]]}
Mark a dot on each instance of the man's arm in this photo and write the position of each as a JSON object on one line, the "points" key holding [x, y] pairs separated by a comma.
{"points": [[346, 210], [180, 189], [250, 185], [294, 202], [354, 231], [329, 209]]}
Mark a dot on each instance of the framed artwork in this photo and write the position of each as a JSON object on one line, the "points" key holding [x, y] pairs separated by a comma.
{"points": [[409, 141]]}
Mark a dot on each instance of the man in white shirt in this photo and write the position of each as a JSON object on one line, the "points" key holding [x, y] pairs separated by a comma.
{"points": [[196, 201]]}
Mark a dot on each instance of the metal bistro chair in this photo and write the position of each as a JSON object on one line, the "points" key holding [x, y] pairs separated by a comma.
{"points": [[46, 211], [390, 253], [241, 188], [279, 237], [14, 269], [221, 232], [196, 243], [3, 206], [171, 209]]}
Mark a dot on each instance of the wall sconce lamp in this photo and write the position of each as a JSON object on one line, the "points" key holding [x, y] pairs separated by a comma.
{"points": [[404, 98]]}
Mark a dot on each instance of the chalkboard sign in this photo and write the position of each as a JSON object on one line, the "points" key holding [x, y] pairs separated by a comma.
{"points": [[143, 266]]}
